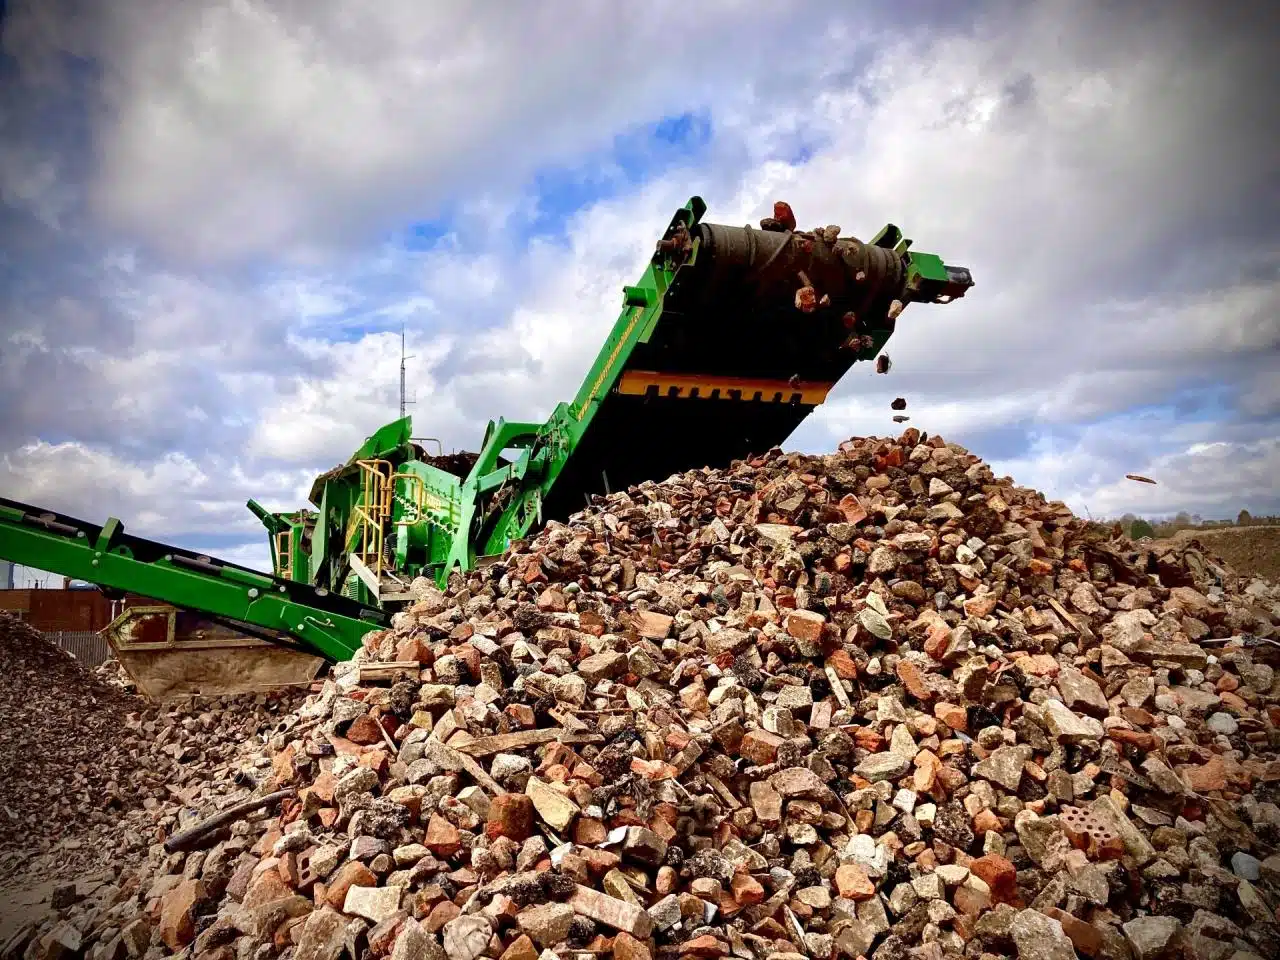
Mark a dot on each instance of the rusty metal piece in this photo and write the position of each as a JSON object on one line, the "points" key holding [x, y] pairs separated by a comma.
{"points": [[899, 403], [1138, 477], [831, 233], [192, 837], [678, 245], [772, 225], [900, 418], [1091, 834], [782, 213], [883, 363], [806, 300]]}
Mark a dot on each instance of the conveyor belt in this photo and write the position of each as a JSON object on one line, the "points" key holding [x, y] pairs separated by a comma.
{"points": [[105, 555]]}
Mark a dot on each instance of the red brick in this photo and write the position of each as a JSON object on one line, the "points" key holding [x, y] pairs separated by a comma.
{"points": [[442, 837], [746, 889], [440, 914], [1138, 738], [935, 644], [627, 947], [1084, 936], [952, 715], [705, 946], [353, 873], [177, 913], [414, 649], [912, 678], [552, 600], [760, 746], [806, 625], [364, 731], [999, 874], [845, 666], [510, 815], [852, 882]]}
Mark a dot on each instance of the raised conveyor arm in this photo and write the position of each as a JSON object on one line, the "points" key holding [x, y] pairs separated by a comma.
{"points": [[328, 624], [728, 341]]}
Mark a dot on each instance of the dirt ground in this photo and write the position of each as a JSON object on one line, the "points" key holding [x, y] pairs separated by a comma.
{"points": [[1249, 550]]}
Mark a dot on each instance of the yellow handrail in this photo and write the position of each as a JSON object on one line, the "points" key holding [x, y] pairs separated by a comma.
{"points": [[415, 494], [372, 511], [284, 553]]}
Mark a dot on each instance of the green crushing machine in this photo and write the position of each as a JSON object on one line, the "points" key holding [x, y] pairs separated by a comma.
{"points": [[729, 339]]}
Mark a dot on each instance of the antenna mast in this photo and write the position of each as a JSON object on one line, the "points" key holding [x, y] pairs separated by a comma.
{"points": [[403, 402]]}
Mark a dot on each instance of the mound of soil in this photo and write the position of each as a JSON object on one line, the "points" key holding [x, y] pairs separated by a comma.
{"points": [[1251, 551]]}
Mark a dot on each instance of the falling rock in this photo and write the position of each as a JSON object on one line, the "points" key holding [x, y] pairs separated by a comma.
{"points": [[952, 874], [603, 666], [414, 943], [653, 625], [618, 914], [546, 924], [373, 903], [1254, 904], [1070, 727], [644, 845], [883, 766], [1081, 693], [1038, 836], [797, 782], [177, 913], [666, 912], [1246, 867], [940, 513], [1154, 938], [1128, 628], [323, 936], [1039, 937], [1004, 766], [883, 560], [553, 807], [875, 623], [766, 802], [1222, 723], [467, 937]]}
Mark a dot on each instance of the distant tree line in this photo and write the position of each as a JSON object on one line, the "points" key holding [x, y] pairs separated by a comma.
{"points": [[1137, 527]]}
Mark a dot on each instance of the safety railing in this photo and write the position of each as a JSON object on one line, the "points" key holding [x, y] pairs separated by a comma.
{"points": [[372, 512], [284, 554], [414, 497]]}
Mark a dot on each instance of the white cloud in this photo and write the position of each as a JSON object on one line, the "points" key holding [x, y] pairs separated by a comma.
{"points": [[1070, 154], [273, 128], [1213, 478], [174, 493]]}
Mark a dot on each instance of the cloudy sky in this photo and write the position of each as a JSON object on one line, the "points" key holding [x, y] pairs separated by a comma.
{"points": [[216, 215]]}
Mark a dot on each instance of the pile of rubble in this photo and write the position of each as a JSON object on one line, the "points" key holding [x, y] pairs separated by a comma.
{"points": [[91, 777], [112, 674], [56, 718], [877, 704]]}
